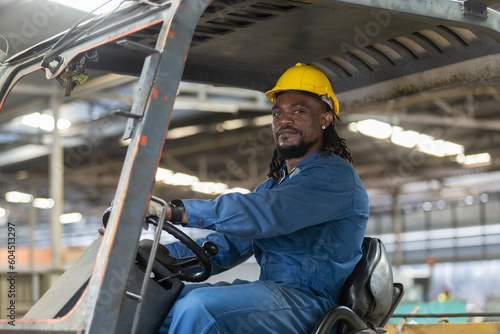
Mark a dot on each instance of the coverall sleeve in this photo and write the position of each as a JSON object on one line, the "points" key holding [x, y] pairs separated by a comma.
{"points": [[313, 196], [232, 250]]}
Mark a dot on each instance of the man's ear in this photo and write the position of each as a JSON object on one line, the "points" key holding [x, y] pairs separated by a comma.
{"points": [[326, 118]]}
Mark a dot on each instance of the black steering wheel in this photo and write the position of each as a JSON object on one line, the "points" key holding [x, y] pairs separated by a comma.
{"points": [[195, 268]]}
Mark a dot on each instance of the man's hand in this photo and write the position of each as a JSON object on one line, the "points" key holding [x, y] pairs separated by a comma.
{"points": [[174, 212], [155, 209]]}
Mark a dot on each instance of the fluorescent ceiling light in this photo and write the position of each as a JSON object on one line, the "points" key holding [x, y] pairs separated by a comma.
{"points": [[483, 198], [181, 179], [18, 197], [216, 188], [211, 188], [234, 124], [263, 120], [353, 127], [426, 144], [163, 174], [474, 159], [23, 153], [374, 128], [32, 120], [62, 124], [69, 218], [176, 179], [170, 177], [439, 148], [3, 212], [409, 139], [237, 190], [44, 122], [184, 131], [43, 203]]}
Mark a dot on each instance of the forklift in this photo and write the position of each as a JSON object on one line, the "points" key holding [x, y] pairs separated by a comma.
{"points": [[366, 48]]}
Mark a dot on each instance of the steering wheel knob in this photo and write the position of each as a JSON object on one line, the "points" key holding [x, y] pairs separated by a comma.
{"points": [[210, 248]]}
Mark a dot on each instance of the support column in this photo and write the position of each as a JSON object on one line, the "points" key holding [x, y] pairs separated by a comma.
{"points": [[203, 167], [396, 218], [34, 275], [56, 177], [31, 224]]}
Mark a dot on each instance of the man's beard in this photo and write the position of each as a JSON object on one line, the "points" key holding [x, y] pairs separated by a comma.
{"points": [[295, 151]]}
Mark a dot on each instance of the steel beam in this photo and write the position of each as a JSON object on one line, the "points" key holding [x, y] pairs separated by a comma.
{"points": [[56, 177], [474, 70]]}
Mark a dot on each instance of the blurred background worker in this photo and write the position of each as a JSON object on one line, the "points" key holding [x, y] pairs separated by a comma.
{"points": [[304, 224], [445, 295]]}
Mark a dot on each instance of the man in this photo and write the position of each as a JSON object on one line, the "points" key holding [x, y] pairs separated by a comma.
{"points": [[304, 224]]}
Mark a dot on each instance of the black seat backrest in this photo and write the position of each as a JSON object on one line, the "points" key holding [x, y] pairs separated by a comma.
{"points": [[368, 291]]}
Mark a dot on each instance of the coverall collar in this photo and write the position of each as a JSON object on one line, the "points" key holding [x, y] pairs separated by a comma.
{"points": [[296, 169]]}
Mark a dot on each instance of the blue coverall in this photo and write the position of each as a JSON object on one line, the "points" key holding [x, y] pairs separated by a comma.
{"points": [[305, 231]]}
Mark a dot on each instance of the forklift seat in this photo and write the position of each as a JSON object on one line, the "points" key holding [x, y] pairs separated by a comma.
{"points": [[369, 296]]}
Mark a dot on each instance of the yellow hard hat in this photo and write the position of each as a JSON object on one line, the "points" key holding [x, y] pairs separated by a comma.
{"points": [[307, 78]]}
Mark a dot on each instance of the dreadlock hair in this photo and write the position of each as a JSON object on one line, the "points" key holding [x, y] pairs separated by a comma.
{"points": [[332, 144]]}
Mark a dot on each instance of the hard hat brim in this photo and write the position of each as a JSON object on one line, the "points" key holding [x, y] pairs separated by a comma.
{"points": [[332, 104]]}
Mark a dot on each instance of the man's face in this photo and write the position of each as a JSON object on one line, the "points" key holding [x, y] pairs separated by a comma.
{"points": [[297, 122]]}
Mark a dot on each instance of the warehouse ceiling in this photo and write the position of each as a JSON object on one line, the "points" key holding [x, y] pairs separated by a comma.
{"points": [[221, 134]]}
